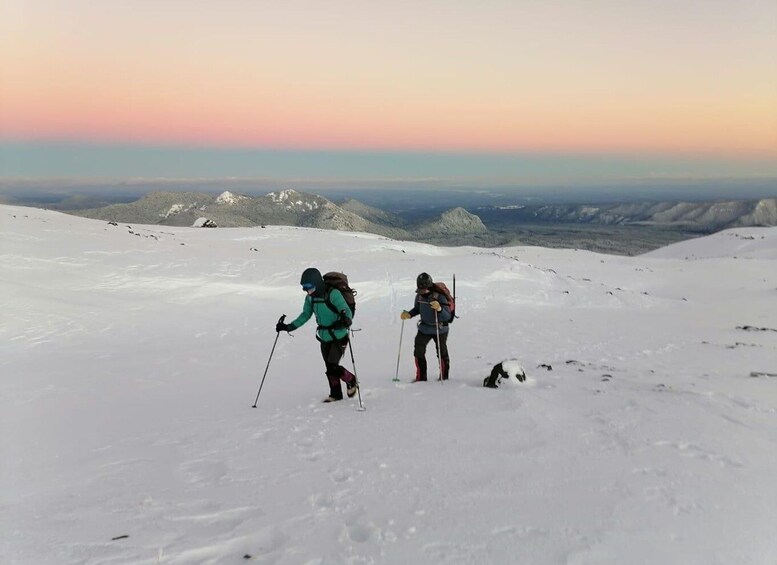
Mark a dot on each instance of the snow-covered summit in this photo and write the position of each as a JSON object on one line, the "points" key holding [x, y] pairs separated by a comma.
{"points": [[229, 198], [290, 199]]}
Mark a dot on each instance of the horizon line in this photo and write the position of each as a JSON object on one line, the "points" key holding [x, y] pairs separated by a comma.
{"points": [[159, 145]]}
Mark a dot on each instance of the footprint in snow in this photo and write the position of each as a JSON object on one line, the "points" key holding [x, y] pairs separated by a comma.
{"points": [[322, 501], [359, 533], [688, 449], [340, 475]]}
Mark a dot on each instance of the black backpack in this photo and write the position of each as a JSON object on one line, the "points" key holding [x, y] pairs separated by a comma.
{"points": [[340, 282]]}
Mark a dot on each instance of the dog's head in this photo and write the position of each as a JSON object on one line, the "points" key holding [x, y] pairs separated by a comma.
{"points": [[508, 372]]}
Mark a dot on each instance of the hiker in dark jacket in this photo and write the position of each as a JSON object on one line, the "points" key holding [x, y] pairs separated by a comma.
{"points": [[332, 332], [435, 313]]}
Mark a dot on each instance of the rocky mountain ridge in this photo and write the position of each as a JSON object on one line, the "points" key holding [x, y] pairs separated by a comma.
{"points": [[286, 207], [703, 216], [492, 226]]}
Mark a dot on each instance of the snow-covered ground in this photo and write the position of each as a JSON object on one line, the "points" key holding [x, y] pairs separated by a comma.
{"points": [[130, 358]]}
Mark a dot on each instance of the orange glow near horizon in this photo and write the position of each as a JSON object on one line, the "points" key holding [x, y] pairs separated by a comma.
{"points": [[111, 74]]}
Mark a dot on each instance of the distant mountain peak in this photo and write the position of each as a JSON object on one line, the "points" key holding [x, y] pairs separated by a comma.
{"points": [[458, 220], [459, 214], [229, 198], [293, 200], [284, 194], [455, 221]]}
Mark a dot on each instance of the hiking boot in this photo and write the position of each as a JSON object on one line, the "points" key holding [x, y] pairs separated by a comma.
{"points": [[352, 387], [420, 380], [331, 399]]}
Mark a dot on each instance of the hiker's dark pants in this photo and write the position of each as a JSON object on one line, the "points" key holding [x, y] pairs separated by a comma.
{"points": [[419, 352], [332, 352]]}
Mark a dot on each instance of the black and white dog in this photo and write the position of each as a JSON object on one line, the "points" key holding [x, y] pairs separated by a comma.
{"points": [[508, 371]]}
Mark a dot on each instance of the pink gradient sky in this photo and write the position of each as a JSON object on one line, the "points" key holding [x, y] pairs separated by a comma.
{"points": [[690, 77]]}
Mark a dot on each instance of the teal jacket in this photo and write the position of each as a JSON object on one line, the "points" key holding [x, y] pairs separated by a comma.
{"points": [[330, 325]]}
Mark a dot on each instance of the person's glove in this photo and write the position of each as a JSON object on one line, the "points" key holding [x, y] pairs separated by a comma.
{"points": [[281, 327], [344, 322], [435, 305], [405, 315]]}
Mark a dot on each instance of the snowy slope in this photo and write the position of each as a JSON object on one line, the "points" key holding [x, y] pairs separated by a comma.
{"points": [[740, 243], [130, 358]]}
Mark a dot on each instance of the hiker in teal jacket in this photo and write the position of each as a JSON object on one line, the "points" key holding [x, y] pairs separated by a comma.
{"points": [[333, 317]]}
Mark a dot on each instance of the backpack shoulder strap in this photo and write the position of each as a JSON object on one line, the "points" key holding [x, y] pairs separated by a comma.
{"points": [[437, 293], [328, 302]]}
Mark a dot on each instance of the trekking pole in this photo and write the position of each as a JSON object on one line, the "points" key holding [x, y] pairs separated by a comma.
{"points": [[358, 385], [401, 331], [438, 344], [280, 321]]}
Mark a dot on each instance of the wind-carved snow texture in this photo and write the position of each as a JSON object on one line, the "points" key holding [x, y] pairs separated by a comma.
{"points": [[131, 355]]}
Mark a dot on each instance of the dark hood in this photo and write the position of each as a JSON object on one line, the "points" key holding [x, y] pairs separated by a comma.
{"points": [[312, 275]]}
